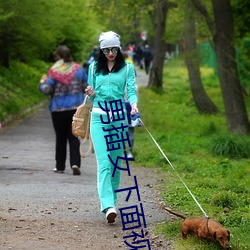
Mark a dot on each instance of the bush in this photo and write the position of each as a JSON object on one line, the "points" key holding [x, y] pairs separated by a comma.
{"points": [[231, 146], [19, 88], [224, 200]]}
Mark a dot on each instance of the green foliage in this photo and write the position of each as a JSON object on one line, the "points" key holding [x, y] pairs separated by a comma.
{"points": [[29, 33], [243, 59], [224, 200], [175, 28], [19, 87], [231, 146], [219, 183], [175, 25], [241, 17], [128, 18]]}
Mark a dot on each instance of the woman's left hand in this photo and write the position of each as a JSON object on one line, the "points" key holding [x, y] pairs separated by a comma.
{"points": [[134, 109], [90, 91]]}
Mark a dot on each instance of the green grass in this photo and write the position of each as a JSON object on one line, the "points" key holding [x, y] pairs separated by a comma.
{"points": [[214, 164], [19, 88]]}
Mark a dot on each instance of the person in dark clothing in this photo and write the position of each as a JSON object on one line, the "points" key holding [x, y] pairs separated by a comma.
{"points": [[93, 55], [138, 56], [65, 83], [147, 54]]}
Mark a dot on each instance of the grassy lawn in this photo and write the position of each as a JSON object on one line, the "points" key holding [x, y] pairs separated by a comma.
{"points": [[214, 164]]}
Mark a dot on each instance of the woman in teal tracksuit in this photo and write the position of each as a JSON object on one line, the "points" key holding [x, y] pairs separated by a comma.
{"points": [[108, 77]]}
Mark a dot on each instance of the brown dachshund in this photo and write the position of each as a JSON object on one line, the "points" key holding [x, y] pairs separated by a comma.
{"points": [[204, 229]]}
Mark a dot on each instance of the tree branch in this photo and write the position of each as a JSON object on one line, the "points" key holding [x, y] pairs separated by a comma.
{"points": [[202, 9]]}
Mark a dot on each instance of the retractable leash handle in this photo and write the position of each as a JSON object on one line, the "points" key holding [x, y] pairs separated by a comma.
{"points": [[174, 169], [135, 120]]}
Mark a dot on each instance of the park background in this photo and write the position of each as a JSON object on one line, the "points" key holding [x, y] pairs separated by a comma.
{"points": [[206, 138]]}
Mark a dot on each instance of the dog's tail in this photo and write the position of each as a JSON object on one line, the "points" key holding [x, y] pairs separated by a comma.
{"points": [[175, 213]]}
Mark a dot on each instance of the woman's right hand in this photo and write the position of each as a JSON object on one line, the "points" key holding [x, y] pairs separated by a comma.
{"points": [[90, 91], [43, 79], [134, 109]]}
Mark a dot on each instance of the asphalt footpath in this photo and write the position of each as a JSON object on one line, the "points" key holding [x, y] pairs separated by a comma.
{"points": [[29, 187]]}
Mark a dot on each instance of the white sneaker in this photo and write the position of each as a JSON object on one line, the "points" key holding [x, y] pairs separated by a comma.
{"points": [[111, 214], [129, 155], [76, 170], [58, 171]]}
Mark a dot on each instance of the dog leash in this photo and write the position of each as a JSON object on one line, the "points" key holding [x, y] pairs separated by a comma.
{"points": [[174, 170]]}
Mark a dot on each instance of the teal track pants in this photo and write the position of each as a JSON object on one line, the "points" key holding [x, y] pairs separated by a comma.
{"points": [[106, 184]]}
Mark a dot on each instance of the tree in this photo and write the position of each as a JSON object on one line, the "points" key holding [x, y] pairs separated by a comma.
{"points": [[28, 33], [159, 46], [128, 18], [201, 99], [242, 33], [223, 38], [241, 17]]}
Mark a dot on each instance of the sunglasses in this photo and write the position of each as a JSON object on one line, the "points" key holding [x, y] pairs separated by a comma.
{"points": [[106, 51]]}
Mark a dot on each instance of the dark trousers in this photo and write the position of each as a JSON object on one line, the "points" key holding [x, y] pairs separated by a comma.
{"points": [[131, 137], [147, 65], [62, 122], [130, 129]]}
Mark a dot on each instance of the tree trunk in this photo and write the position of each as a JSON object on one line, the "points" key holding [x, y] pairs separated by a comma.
{"points": [[201, 99], [223, 38], [235, 109], [159, 47]]}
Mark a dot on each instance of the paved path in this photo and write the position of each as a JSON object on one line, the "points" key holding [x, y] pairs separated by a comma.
{"points": [[30, 190], [141, 78]]}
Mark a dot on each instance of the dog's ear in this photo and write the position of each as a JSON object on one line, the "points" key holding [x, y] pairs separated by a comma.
{"points": [[228, 237], [214, 235]]}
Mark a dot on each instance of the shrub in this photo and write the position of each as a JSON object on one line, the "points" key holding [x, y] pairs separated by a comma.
{"points": [[223, 200], [231, 146]]}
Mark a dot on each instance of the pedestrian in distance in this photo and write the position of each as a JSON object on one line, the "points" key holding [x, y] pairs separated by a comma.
{"points": [[65, 83], [108, 77], [147, 54], [92, 57], [138, 56]]}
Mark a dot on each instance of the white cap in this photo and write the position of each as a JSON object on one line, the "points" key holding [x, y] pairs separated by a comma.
{"points": [[109, 39]]}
